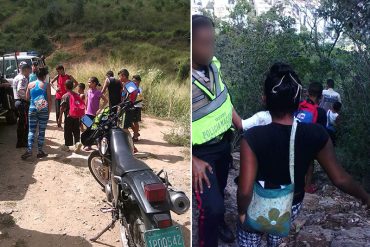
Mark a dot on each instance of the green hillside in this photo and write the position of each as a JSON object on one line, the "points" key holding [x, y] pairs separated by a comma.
{"points": [[152, 33]]}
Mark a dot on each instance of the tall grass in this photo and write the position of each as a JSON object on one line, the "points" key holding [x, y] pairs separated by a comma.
{"points": [[164, 96]]}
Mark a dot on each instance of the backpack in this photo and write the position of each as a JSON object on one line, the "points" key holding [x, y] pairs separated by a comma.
{"points": [[131, 90], [307, 112], [76, 105]]}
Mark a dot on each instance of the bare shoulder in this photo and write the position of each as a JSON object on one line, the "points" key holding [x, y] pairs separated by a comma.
{"points": [[31, 85]]}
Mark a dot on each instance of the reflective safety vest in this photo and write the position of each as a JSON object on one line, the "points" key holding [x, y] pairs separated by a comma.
{"points": [[215, 117]]}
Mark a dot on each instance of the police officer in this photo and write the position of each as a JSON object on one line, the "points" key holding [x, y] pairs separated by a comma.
{"points": [[212, 118], [20, 83]]}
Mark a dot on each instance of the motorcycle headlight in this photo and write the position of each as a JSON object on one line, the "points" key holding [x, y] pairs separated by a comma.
{"points": [[104, 145]]}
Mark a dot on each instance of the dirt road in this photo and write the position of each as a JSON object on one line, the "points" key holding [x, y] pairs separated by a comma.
{"points": [[56, 202]]}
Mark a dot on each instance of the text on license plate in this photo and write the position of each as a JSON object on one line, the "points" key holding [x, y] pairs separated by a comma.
{"points": [[167, 237]]}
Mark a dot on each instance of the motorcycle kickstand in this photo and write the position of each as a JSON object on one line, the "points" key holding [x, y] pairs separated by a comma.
{"points": [[108, 227]]}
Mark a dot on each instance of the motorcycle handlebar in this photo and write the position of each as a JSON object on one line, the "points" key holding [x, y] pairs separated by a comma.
{"points": [[128, 103], [123, 105]]}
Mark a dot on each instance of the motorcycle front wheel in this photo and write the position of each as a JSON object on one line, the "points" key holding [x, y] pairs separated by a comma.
{"points": [[98, 169]]}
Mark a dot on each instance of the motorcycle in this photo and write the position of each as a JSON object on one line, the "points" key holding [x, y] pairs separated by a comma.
{"points": [[140, 199]]}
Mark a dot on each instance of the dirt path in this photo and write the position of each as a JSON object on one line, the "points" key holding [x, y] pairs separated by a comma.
{"points": [[56, 202], [329, 218]]}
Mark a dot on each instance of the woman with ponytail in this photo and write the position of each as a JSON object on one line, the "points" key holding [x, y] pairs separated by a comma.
{"points": [[39, 95], [276, 157]]}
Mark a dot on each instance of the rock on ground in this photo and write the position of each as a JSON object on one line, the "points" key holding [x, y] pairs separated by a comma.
{"points": [[329, 218]]}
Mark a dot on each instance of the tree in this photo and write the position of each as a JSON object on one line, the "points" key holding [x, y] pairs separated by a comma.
{"points": [[248, 45], [353, 17], [77, 11]]}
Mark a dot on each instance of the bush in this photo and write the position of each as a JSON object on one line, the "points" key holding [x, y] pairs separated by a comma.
{"points": [[52, 17], [98, 40], [101, 39], [181, 33], [183, 69], [179, 135], [88, 44], [62, 37], [2, 17], [41, 43], [247, 52], [77, 11], [9, 28], [59, 57]]}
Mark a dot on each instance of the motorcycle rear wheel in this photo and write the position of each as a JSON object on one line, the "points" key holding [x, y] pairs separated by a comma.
{"points": [[137, 229], [97, 167], [124, 239]]}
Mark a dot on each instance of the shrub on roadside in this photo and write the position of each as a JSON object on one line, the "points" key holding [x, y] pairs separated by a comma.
{"points": [[183, 69], [164, 96], [59, 57], [98, 40], [179, 134], [41, 43]]}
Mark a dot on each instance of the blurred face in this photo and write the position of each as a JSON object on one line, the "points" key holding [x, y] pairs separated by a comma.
{"points": [[60, 71], [26, 72], [91, 84], [34, 68], [122, 77], [136, 81], [80, 90], [203, 45]]}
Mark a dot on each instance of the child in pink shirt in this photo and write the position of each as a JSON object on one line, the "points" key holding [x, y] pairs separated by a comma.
{"points": [[93, 100]]}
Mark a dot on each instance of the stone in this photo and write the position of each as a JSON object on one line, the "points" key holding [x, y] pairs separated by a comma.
{"points": [[347, 243], [357, 233], [298, 223], [8, 211], [327, 202], [315, 234]]}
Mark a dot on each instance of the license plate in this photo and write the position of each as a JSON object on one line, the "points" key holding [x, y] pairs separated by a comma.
{"points": [[167, 237]]}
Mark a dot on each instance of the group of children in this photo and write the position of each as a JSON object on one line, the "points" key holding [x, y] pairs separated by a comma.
{"points": [[74, 105], [332, 104], [321, 107]]}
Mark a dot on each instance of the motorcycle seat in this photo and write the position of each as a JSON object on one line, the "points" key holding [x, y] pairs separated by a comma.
{"points": [[123, 160]]}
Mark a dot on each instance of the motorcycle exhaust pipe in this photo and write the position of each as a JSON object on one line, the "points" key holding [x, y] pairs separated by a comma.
{"points": [[179, 202]]}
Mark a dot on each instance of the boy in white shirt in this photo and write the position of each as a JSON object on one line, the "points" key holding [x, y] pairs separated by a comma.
{"points": [[329, 96], [332, 121]]}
